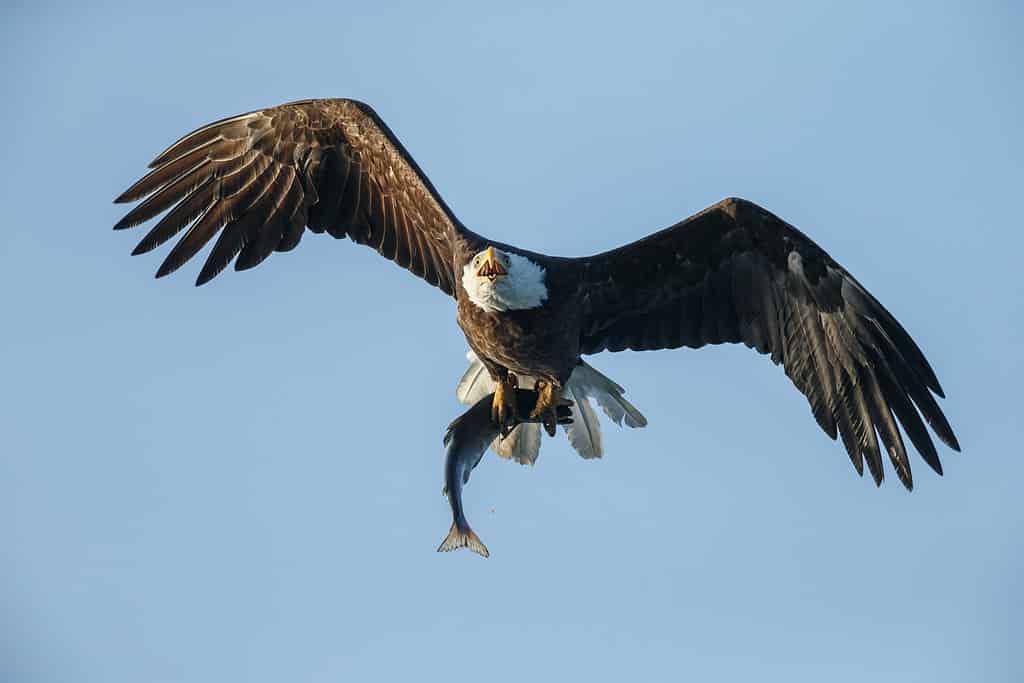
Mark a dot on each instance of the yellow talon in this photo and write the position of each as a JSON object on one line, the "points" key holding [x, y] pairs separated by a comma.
{"points": [[503, 405], [547, 401]]}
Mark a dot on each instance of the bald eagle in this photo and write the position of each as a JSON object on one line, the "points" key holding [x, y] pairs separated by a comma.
{"points": [[732, 273]]}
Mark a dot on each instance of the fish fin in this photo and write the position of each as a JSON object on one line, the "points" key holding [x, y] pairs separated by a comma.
{"points": [[522, 444], [476, 382], [608, 394], [584, 431], [463, 538]]}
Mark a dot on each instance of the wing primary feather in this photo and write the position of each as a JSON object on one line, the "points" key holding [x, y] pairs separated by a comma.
{"points": [[174, 260], [166, 196], [881, 416], [165, 174], [224, 249], [910, 383], [176, 219], [281, 198], [846, 422], [195, 239], [219, 214], [234, 125], [815, 370], [893, 331], [873, 452], [908, 417], [231, 242], [865, 424]]}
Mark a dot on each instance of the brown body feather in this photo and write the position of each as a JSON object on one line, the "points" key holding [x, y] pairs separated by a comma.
{"points": [[543, 342]]}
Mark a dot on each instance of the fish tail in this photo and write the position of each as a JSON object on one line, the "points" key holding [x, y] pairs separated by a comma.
{"points": [[459, 537]]}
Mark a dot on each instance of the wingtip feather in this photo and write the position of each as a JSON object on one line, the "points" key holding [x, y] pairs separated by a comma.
{"points": [[204, 277]]}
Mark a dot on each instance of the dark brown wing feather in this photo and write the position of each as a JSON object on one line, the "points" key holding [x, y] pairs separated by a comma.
{"points": [[260, 179], [737, 273]]}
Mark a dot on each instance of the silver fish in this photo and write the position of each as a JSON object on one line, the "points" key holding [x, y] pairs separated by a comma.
{"points": [[466, 440]]}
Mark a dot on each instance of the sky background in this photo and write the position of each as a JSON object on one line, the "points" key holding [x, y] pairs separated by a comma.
{"points": [[242, 482]]}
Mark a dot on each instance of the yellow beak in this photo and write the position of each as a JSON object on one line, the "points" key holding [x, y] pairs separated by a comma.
{"points": [[491, 267]]}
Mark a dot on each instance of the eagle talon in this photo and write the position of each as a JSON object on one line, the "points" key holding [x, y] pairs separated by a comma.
{"points": [[504, 412], [550, 421], [547, 405]]}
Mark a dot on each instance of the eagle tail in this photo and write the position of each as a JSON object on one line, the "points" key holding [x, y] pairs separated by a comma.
{"points": [[608, 394], [463, 537], [584, 431], [521, 445], [475, 383]]}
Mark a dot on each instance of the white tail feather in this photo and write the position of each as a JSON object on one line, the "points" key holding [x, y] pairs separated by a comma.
{"points": [[608, 395], [584, 431], [521, 445], [475, 383]]}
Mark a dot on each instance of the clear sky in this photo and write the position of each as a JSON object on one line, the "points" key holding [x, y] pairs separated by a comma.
{"points": [[243, 482]]}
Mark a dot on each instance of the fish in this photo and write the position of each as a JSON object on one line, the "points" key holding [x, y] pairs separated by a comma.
{"points": [[522, 444], [466, 440]]}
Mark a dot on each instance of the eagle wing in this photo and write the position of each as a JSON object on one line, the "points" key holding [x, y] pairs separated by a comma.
{"points": [[737, 273], [260, 179]]}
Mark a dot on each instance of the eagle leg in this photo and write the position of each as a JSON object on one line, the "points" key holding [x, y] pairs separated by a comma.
{"points": [[548, 400], [504, 412]]}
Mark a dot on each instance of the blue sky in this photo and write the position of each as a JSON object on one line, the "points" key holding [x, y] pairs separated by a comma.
{"points": [[211, 484]]}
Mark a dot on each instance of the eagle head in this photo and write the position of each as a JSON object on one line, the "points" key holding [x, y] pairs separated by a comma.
{"points": [[498, 281], [491, 264]]}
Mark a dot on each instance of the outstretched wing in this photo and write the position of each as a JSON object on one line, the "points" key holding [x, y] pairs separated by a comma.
{"points": [[737, 273], [260, 179]]}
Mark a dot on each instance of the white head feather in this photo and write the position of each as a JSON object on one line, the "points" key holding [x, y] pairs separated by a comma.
{"points": [[522, 288]]}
